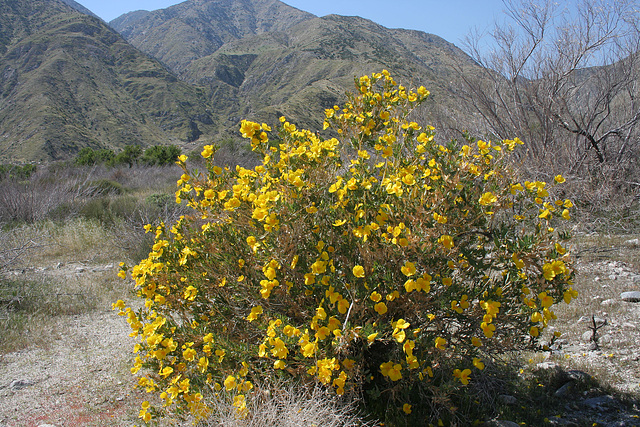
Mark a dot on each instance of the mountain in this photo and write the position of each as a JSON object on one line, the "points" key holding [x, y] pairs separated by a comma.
{"points": [[80, 8], [68, 81], [196, 28], [258, 59]]}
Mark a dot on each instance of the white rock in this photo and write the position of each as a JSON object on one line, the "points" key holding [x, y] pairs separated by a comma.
{"points": [[633, 242], [605, 339], [633, 296]]}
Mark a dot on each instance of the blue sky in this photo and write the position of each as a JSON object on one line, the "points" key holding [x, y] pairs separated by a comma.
{"points": [[449, 19]]}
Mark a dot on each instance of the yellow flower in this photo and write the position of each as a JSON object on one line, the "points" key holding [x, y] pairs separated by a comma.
{"points": [[189, 354], [358, 271], [255, 312], [408, 269], [569, 294], [545, 300], [478, 363], [440, 343], [534, 332], [463, 376], [380, 308], [446, 241], [559, 179], [488, 329], [391, 370], [406, 408], [230, 383], [487, 199], [375, 297], [207, 151], [166, 371], [476, 342]]}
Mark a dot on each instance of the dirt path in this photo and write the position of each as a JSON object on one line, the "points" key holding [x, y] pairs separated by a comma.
{"points": [[81, 379]]}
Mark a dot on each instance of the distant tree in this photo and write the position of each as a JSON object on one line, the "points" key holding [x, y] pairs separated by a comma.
{"points": [[86, 157], [161, 155], [565, 80], [18, 172], [130, 155]]}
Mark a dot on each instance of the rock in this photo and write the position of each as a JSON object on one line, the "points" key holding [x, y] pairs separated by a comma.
{"points": [[633, 243], [579, 376], [586, 337], [20, 384], [608, 302], [633, 296], [507, 399], [565, 390], [599, 402], [612, 277], [502, 423], [547, 365], [605, 339], [628, 326]]}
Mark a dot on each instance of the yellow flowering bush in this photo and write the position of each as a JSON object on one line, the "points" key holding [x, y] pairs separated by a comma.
{"points": [[378, 262]]}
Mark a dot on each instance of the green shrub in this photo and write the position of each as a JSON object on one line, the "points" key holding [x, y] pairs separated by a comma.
{"points": [[379, 263], [161, 155], [129, 156], [88, 156], [16, 172]]}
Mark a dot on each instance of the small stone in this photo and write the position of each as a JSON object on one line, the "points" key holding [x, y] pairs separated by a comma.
{"points": [[108, 266], [608, 302], [20, 384], [633, 296], [586, 337], [628, 326], [612, 277]]}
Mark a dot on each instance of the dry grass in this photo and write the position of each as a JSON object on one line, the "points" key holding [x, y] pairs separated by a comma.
{"points": [[64, 269], [284, 405]]}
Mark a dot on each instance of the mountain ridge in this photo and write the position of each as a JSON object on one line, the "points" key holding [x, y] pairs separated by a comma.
{"points": [[69, 81]]}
